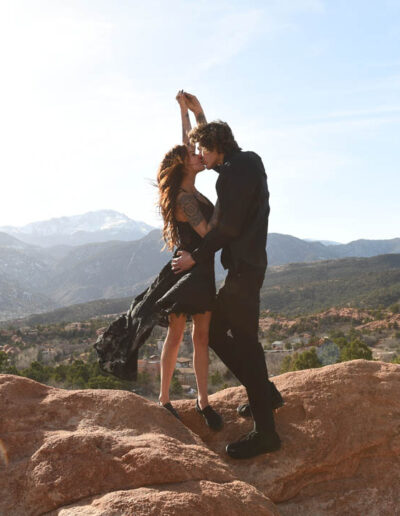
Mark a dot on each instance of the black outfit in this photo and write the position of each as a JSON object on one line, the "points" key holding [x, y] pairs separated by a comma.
{"points": [[189, 293], [241, 231]]}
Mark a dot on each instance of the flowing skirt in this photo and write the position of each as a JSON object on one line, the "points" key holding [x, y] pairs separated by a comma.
{"points": [[191, 292]]}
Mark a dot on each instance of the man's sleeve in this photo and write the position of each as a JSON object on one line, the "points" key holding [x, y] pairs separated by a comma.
{"points": [[235, 193]]}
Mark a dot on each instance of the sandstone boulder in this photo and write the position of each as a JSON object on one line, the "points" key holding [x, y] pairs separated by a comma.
{"points": [[340, 428], [108, 453], [97, 452]]}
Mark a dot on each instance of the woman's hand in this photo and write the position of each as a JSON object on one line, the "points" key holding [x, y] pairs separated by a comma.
{"points": [[181, 99], [192, 103]]}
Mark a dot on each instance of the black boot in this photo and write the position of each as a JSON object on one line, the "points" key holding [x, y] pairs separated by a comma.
{"points": [[212, 418], [254, 443], [171, 409], [277, 402]]}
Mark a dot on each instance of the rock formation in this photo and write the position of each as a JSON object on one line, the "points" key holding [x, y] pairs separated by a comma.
{"points": [[98, 452]]}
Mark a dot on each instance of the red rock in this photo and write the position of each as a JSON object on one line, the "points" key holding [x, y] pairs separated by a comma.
{"points": [[113, 453], [340, 429]]}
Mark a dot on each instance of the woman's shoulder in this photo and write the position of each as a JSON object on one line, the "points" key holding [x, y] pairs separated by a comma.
{"points": [[186, 203], [202, 198], [184, 197]]}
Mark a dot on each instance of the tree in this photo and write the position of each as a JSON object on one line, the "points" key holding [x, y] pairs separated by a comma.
{"points": [[216, 378], [306, 360], [4, 362], [38, 372], [176, 387], [106, 382], [354, 350]]}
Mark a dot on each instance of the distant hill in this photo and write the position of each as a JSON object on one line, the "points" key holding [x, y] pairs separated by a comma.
{"points": [[17, 300], [9, 241], [63, 275], [366, 248], [78, 312], [309, 287], [107, 270], [284, 249], [94, 226], [288, 289]]}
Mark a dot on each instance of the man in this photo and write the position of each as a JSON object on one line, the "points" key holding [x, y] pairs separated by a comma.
{"points": [[241, 232]]}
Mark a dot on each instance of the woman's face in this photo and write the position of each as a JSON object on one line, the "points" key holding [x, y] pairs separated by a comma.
{"points": [[193, 161]]}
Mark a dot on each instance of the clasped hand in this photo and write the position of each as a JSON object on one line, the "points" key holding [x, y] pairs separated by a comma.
{"points": [[183, 262], [188, 101]]}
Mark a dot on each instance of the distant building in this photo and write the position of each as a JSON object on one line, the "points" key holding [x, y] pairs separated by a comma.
{"points": [[295, 341], [9, 350], [188, 389], [186, 376], [150, 366], [183, 362]]}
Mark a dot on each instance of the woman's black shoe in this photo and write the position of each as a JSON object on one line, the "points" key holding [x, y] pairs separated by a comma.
{"points": [[277, 402], [213, 419], [171, 409]]}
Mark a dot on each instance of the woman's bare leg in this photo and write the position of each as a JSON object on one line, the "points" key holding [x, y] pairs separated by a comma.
{"points": [[201, 326], [169, 353]]}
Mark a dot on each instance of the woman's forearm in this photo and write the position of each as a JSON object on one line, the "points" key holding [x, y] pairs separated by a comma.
{"points": [[186, 126]]}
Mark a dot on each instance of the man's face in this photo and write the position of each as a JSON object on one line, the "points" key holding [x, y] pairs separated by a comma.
{"points": [[211, 158]]}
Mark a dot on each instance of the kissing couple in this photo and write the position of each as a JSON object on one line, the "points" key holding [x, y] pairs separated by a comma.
{"points": [[226, 321]]}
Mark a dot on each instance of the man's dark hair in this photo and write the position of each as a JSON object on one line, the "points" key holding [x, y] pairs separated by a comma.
{"points": [[215, 136]]}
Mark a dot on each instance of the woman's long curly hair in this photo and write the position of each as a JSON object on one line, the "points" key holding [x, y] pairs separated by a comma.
{"points": [[169, 179]]}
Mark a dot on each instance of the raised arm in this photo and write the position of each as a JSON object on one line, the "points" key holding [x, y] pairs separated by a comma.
{"points": [[194, 105], [186, 125]]}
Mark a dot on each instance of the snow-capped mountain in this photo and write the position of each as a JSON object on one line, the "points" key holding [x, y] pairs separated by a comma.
{"points": [[94, 226]]}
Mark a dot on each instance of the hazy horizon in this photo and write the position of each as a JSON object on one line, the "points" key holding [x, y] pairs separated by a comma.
{"points": [[88, 106], [159, 226]]}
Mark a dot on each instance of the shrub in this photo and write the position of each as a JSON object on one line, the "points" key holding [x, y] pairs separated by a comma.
{"points": [[176, 387], [216, 378], [306, 360], [354, 350]]}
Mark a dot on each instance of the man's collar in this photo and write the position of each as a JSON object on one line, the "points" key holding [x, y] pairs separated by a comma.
{"points": [[226, 161]]}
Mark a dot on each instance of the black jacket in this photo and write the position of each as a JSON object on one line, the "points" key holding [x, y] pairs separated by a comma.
{"points": [[242, 225]]}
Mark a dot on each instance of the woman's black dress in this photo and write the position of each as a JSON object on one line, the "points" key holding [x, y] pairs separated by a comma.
{"points": [[190, 292]]}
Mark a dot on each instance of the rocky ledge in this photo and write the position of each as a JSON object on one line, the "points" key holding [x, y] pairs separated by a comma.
{"points": [[98, 452]]}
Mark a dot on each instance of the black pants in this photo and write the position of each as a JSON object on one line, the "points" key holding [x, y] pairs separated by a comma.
{"points": [[234, 338]]}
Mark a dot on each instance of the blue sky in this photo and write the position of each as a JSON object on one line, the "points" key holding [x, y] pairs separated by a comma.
{"points": [[87, 105]]}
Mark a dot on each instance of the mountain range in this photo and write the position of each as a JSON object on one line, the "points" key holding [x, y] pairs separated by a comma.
{"points": [[94, 226], [294, 289], [35, 278]]}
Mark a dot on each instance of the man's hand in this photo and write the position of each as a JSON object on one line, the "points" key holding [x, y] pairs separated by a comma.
{"points": [[183, 263]]}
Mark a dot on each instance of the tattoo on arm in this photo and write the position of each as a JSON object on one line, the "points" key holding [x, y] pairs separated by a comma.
{"points": [[191, 209], [186, 127], [200, 118]]}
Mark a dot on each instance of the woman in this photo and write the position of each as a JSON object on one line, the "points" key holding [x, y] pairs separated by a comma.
{"points": [[187, 217]]}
